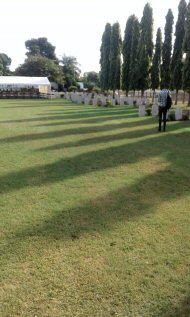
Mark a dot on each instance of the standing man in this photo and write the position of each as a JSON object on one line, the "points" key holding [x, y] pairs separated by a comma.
{"points": [[162, 99]]}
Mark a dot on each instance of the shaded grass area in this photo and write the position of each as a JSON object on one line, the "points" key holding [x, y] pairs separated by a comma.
{"points": [[94, 212]]}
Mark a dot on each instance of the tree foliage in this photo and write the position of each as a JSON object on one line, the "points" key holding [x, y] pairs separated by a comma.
{"points": [[115, 57], [91, 79], [5, 62], [127, 50], [40, 46], [39, 66], [71, 70], [167, 48], [186, 46], [143, 74], [147, 29], [145, 49], [104, 57], [133, 67], [156, 63], [176, 62]]}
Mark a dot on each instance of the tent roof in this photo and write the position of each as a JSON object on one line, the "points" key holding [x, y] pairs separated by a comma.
{"points": [[18, 80]]}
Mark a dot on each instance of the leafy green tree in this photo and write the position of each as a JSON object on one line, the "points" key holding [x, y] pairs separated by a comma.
{"points": [[91, 79], [115, 58], [143, 74], [5, 62], [186, 47], [71, 70], [145, 49], [147, 29], [176, 62], [167, 48], [133, 68], [40, 46], [39, 66], [104, 57], [156, 63], [127, 53]]}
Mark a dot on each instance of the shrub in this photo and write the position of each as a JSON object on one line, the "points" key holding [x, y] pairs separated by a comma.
{"points": [[185, 114], [97, 90], [148, 111], [99, 102], [108, 103], [73, 88], [171, 116]]}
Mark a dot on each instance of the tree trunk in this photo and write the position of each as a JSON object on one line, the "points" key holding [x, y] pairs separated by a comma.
{"points": [[126, 93], [183, 97], [133, 93], [153, 95], [142, 93], [176, 96], [114, 94], [189, 100]]}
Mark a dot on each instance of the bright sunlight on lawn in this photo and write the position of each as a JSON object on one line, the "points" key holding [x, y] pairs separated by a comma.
{"points": [[95, 216]]}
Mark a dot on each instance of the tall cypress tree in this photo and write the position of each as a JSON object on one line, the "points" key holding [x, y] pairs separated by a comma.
{"points": [[133, 58], [186, 47], [143, 74], [147, 29], [104, 57], [145, 49], [167, 48], [127, 53], [115, 58], [176, 62], [156, 63]]}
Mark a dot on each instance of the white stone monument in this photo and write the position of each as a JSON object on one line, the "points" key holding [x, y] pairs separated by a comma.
{"points": [[178, 114], [155, 110], [142, 111]]}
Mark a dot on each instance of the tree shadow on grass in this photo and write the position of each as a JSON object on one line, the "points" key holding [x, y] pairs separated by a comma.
{"points": [[101, 214], [126, 135], [97, 160], [71, 131], [180, 310], [67, 117], [134, 201], [98, 119], [36, 103]]}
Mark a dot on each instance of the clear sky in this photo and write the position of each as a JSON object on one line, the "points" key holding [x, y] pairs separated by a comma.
{"points": [[75, 27]]}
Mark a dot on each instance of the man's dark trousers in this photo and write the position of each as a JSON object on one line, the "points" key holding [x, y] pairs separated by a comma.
{"points": [[162, 113]]}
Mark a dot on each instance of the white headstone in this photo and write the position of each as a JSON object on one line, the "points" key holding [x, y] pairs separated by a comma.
{"points": [[178, 114], [121, 101], [155, 110], [142, 111]]}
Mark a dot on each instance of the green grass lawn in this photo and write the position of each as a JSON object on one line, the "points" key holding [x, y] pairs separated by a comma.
{"points": [[94, 212]]}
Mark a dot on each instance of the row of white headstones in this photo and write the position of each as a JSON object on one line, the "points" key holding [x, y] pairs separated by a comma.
{"points": [[93, 98], [142, 103]]}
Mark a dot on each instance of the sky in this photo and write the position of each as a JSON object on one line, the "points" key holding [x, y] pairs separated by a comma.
{"points": [[74, 27]]}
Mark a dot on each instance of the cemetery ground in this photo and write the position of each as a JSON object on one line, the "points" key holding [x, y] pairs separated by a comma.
{"points": [[94, 212]]}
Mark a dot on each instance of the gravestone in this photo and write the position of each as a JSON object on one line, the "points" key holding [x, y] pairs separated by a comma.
{"points": [[155, 110], [178, 114], [142, 111]]}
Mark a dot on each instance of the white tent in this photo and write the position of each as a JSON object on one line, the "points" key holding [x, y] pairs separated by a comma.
{"points": [[18, 82]]}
